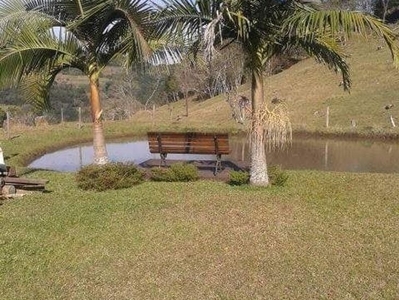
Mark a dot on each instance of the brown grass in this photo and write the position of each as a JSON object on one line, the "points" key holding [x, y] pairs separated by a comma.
{"points": [[307, 89]]}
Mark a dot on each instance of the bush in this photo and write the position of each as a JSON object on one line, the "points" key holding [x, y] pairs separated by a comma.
{"points": [[160, 174], [176, 172], [238, 177], [277, 176], [109, 176]]}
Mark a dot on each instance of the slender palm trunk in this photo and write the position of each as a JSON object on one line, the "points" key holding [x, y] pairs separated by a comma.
{"points": [[100, 150], [258, 172]]}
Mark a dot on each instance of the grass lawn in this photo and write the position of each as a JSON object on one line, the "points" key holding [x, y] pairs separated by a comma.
{"points": [[323, 236]]}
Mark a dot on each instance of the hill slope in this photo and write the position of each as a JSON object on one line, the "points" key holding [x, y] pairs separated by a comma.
{"points": [[307, 89]]}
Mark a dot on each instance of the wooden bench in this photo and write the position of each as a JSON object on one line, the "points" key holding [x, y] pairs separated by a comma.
{"points": [[189, 143], [10, 180]]}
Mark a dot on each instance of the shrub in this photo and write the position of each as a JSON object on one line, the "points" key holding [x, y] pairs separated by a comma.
{"points": [[160, 174], [176, 172], [109, 176], [238, 177], [277, 176]]}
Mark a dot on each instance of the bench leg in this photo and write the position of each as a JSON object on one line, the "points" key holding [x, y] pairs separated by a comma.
{"points": [[218, 166], [163, 159]]}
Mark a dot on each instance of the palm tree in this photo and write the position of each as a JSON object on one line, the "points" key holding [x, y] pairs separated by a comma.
{"points": [[264, 29], [40, 38]]}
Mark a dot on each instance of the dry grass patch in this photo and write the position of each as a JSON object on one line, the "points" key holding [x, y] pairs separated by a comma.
{"points": [[307, 89]]}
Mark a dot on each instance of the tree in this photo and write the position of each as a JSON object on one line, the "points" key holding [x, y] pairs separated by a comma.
{"points": [[40, 38], [264, 29]]}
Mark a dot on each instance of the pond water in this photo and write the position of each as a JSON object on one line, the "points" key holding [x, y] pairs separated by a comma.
{"points": [[304, 153]]}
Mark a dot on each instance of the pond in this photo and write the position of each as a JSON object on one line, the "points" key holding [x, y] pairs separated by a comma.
{"points": [[304, 153]]}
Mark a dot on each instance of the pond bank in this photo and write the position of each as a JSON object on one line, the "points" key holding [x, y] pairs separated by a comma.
{"points": [[30, 143], [359, 135], [304, 153]]}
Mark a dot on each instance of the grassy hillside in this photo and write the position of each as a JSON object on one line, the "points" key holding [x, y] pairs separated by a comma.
{"points": [[308, 88]]}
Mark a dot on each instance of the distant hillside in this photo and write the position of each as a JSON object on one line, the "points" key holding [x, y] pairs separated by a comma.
{"points": [[308, 88]]}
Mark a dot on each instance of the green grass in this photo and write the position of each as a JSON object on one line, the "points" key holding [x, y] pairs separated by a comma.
{"points": [[323, 236]]}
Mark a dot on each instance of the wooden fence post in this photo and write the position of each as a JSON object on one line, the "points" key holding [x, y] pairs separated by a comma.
{"points": [[153, 115], [8, 125], [392, 121], [80, 117], [80, 157], [328, 116], [326, 156]]}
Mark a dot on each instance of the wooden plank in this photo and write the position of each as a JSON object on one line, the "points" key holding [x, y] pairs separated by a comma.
{"points": [[192, 141], [24, 181], [183, 145], [191, 151], [211, 149], [192, 144], [154, 136]]}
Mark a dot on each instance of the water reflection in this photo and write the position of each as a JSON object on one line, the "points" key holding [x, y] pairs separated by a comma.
{"points": [[309, 153]]}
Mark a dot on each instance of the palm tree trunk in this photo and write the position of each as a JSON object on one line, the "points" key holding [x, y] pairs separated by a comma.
{"points": [[258, 171], [100, 150]]}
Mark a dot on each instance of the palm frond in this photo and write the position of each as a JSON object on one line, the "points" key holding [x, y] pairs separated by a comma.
{"points": [[30, 52], [114, 28], [176, 17], [35, 89], [339, 23], [136, 16], [15, 16]]}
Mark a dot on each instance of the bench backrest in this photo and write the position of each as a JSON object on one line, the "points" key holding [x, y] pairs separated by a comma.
{"points": [[191, 142]]}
